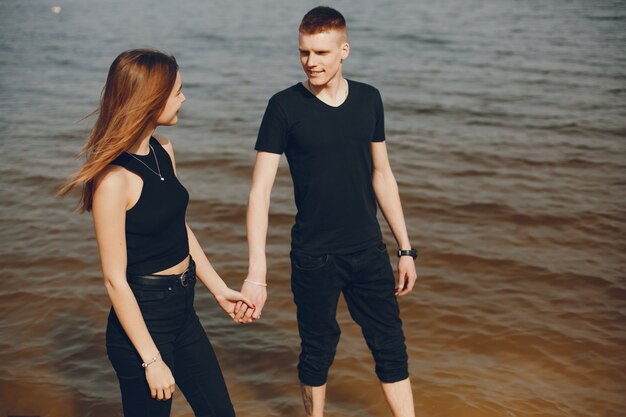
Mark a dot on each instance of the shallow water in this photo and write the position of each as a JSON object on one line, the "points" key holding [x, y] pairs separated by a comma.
{"points": [[506, 131]]}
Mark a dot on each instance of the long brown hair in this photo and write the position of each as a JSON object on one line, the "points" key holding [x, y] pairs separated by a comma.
{"points": [[136, 91]]}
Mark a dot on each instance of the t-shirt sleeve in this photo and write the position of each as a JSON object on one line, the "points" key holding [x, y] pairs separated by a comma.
{"points": [[379, 129], [273, 131]]}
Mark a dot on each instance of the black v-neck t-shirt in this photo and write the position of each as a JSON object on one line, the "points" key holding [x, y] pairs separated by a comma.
{"points": [[330, 159]]}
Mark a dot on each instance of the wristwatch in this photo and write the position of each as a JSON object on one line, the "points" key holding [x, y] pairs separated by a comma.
{"points": [[410, 252]]}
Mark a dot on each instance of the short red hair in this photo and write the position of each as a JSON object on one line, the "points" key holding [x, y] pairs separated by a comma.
{"points": [[322, 19]]}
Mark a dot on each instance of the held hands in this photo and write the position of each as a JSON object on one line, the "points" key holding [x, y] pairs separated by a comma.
{"points": [[406, 275], [160, 380], [256, 291], [232, 302]]}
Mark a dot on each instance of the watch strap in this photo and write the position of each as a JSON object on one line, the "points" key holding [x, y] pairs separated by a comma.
{"points": [[408, 252]]}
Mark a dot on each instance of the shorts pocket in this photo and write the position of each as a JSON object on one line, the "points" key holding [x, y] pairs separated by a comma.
{"points": [[309, 262], [381, 247]]}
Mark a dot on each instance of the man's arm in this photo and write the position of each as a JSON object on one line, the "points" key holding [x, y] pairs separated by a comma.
{"points": [[263, 177], [388, 198]]}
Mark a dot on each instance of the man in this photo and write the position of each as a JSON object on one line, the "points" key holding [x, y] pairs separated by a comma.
{"points": [[332, 132]]}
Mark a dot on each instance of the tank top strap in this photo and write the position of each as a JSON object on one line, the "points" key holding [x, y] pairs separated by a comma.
{"points": [[126, 161], [165, 162], [143, 165]]}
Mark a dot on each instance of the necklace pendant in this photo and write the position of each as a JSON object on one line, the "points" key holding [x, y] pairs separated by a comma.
{"points": [[162, 179]]}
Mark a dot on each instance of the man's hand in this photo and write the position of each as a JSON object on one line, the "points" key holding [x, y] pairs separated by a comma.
{"points": [[230, 299], [406, 275], [257, 295]]}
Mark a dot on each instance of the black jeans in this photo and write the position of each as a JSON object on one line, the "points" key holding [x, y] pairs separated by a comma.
{"points": [[368, 285], [176, 330]]}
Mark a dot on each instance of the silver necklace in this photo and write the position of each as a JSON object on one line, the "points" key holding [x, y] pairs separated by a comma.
{"points": [[146, 165]]}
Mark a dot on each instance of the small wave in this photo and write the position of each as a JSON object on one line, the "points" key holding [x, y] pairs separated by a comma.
{"points": [[616, 293], [227, 165], [411, 37], [506, 213], [620, 18], [494, 160], [210, 37], [617, 91], [471, 173]]}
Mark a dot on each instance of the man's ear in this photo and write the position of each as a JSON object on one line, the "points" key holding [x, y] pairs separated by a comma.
{"points": [[345, 51]]}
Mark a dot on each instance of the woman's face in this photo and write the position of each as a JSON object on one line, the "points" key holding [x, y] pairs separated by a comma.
{"points": [[169, 115]]}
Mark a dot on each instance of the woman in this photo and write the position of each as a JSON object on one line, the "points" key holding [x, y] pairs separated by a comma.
{"points": [[150, 257]]}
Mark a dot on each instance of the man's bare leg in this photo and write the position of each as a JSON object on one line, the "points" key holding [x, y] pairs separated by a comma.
{"points": [[399, 397], [313, 398]]}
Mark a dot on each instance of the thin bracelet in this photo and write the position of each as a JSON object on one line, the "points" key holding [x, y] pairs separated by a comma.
{"points": [[255, 283], [151, 361]]}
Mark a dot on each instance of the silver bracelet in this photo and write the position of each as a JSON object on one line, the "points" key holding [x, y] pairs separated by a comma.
{"points": [[262, 284], [151, 361]]}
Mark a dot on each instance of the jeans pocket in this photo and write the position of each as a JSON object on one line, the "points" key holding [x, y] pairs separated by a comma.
{"points": [[309, 262], [151, 295]]}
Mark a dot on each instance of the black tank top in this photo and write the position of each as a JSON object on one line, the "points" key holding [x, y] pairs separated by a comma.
{"points": [[156, 236]]}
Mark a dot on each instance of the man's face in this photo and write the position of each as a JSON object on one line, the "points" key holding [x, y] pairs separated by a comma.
{"points": [[321, 55]]}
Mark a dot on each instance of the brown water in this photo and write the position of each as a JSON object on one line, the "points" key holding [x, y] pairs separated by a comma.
{"points": [[506, 127]]}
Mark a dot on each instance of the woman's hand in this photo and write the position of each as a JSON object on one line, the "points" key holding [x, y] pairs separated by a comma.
{"points": [[229, 299], [258, 295], [160, 380]]}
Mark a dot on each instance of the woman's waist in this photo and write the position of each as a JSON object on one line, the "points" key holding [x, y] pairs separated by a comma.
{"points": [[170, 262], [182, 274]]}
